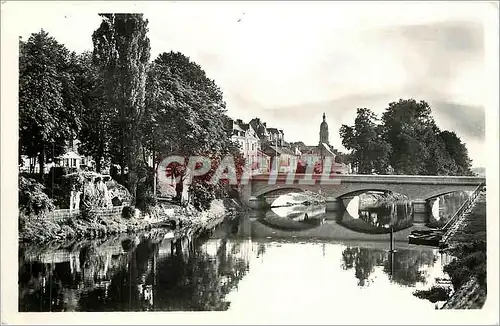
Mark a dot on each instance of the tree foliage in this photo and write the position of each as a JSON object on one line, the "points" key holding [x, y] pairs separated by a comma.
{"points": [[97, 131], [32, 199], [50, 101], [407, 140], [185, 116], [121, 52], [370, 151]]}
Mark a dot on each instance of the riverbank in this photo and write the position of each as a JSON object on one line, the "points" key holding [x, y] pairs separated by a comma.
{"points": [[180, 220], [468, 270]]}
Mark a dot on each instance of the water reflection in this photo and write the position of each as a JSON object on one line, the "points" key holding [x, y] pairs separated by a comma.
{"points": [[445, 206], [155, 275], [233, 269], [374, 218], [297, 217]]}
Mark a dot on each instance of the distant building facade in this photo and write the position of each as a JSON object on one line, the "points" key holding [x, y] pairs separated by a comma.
{"points": [[250, 144], [284, 157], [314, 155]]}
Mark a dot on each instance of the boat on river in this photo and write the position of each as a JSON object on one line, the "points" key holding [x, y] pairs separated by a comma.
{"points": [[426, 237]]}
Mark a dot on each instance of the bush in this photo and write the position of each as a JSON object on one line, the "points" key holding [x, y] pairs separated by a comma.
{"points": [[434, 294], [128, 212], [88, 207], [470, 263], [202, 194], [145, 200], [32, 199]]}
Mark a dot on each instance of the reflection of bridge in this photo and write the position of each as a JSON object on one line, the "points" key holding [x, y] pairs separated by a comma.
{"points": [[328, 230], [417, 187]]}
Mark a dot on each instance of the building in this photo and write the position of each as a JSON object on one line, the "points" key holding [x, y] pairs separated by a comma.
{"points": [[314, 155], [245, 135], [71, 159], [286, 158], [250, 145], [273, 144]]}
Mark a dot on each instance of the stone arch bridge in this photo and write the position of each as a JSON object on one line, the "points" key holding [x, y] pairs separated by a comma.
{"points": [[419, 188]]}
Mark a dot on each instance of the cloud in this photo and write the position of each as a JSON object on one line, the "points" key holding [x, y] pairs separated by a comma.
{"points": [[466, 120], [290, 62]]}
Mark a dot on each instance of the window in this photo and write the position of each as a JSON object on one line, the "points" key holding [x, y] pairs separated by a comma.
{"points": [[73, 163]]}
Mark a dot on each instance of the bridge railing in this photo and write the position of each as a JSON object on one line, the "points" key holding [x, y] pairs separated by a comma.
{"points": [[464, 207], [392, 178]]}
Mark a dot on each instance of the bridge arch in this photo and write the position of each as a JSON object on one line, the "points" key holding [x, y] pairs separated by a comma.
{"points": [[331, 191], [441, 192], [340, 191], [417, 188]]}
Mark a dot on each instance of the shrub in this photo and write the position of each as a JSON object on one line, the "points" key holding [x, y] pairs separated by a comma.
{"points": [[470, 262], [202, 194], [32, 199], [128, 212], [434, 294], [88, 206], [145, 200]]}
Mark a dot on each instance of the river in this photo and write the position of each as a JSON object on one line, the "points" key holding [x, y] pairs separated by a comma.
{"points": [[262, 261]]}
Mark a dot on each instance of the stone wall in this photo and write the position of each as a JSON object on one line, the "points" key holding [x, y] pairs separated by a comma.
{"points": [[62, 214]]}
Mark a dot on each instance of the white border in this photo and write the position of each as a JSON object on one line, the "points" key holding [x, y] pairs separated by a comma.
{"points": [[9, 258]]}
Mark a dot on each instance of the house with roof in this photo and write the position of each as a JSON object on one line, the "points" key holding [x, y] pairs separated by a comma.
{"points": [[273, 144], [71, 158], [250, 145], [283, 158]]}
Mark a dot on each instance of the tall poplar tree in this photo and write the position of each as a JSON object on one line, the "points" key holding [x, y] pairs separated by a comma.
{"points": [[122, 52]]}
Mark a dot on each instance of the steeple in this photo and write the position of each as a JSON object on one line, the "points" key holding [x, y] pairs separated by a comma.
{"points": [[323, 131]]}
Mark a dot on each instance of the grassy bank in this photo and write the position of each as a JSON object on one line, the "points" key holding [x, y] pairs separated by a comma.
{"points": [[183, 220], [467, 271]]}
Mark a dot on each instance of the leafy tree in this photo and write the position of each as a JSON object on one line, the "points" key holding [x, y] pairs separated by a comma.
{"points": [[97, 128], [185, 116], [402, 124], [122, 51], [369, 150], [49, 99], [457, 151], [418, 145]]}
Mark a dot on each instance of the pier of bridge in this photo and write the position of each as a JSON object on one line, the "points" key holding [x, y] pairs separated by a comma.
{"points": [[418, 188]]}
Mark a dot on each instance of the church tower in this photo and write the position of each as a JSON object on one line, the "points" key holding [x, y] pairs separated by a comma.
{"points": [[323, 131]]}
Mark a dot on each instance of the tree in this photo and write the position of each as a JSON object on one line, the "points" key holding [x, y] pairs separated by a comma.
{"points": [[49, 100], [185, 114], [418, 145], [457, 151], [407, 141], [122, 51], [97, 129], [402, 124], [370, 151]]}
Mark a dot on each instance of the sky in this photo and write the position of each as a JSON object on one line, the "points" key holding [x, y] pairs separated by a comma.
{"points": [[289, 62]]}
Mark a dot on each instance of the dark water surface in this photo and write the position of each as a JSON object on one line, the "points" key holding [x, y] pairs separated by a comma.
{"points": [[258, 262]]}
